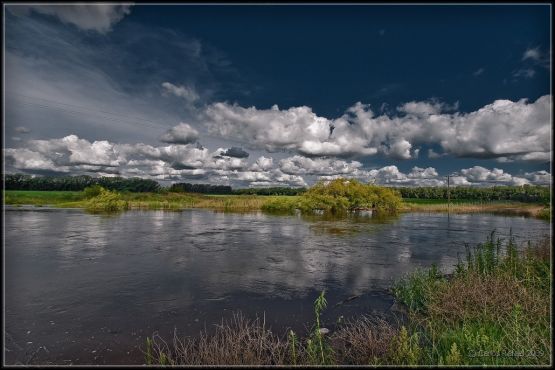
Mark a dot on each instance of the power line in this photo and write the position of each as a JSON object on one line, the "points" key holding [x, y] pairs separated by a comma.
{"points": [[87, 113], [83, 107], [76, 109]]}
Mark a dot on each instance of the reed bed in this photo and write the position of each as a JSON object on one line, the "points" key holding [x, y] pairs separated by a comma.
{"points": [[514, 208], [494, 310], [236, 342], [241, 341]]}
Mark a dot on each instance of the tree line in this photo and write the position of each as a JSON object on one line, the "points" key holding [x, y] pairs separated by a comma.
{"points": [[526, 193], [135, 184], [78, 183], [184, 187], [278, 190], [224, 189]]}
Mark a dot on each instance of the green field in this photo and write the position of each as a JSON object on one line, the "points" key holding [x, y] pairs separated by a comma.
{"points": [[172, 201], [15, 197], [474, 206]]}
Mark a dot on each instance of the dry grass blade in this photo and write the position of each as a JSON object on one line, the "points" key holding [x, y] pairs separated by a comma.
{"points": [[474, 296], [362, 341], [236, 342]]}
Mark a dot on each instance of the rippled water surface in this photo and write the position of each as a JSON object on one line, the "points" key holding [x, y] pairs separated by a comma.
{"points": [[84, 288]]}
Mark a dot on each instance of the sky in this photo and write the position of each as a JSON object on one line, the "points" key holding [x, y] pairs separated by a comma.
{"points": [[280, 95]]}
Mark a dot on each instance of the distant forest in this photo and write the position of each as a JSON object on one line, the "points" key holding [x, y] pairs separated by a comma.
{"points": [[78, 183], [134, 184], [526, 193]]}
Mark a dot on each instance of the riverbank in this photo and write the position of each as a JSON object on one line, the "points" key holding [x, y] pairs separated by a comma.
{"points": [[494, 310], [179, 201], [167, 200], [470, 206]]}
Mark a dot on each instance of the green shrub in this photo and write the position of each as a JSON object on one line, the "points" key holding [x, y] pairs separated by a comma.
{"points": [[280, 204], [406, 348], [92, 191], [545, 213], [343, 195], [416, 289], [107, 201]]}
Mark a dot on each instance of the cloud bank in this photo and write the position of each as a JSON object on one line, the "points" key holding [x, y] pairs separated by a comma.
{"points": [[192, 162], [504, 130]]}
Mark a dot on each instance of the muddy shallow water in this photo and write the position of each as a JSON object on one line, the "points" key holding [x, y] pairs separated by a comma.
{"points": [[88, 289]]}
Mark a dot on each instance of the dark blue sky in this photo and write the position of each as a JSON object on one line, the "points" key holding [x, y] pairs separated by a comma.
{"points": [[328, 57], [459, 59]]}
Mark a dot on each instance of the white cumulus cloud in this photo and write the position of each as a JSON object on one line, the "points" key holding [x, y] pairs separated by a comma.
{"points": [[180, 134], [503, 129], [299, 165]]}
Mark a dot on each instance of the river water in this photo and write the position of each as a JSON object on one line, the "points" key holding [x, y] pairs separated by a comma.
{"points": [[88, 289]]}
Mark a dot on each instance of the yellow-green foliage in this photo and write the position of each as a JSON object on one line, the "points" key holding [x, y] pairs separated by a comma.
{"points": [[342, 195], [280, 204], [92, 191], [386, 199], [406, 348], [545, 213], [454, 356], [107, 201]]}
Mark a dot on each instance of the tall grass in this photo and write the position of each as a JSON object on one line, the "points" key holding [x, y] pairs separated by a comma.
{"points": [[236, 342], [415, 291], [19, 197], [476, 206], [246, 342], [281, 204], [317, 347], [545, 213], [494, 310]]}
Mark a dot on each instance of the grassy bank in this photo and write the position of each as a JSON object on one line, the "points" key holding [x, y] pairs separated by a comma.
{"points": [[277, 203], [41, 198], [472, 206], [169, 201], [494, 310]]}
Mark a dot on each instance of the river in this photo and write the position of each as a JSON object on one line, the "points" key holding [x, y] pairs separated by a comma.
{"points": [[88, 289]]}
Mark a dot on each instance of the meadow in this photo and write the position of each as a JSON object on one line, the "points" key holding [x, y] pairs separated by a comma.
{"points": [[276, 203], [169, 201]]}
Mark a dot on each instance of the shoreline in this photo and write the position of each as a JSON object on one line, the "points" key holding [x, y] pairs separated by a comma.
{"points": [[505, 208], [248, 203]]}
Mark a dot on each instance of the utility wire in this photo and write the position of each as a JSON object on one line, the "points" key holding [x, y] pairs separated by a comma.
{"points": [[76, 109]]}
